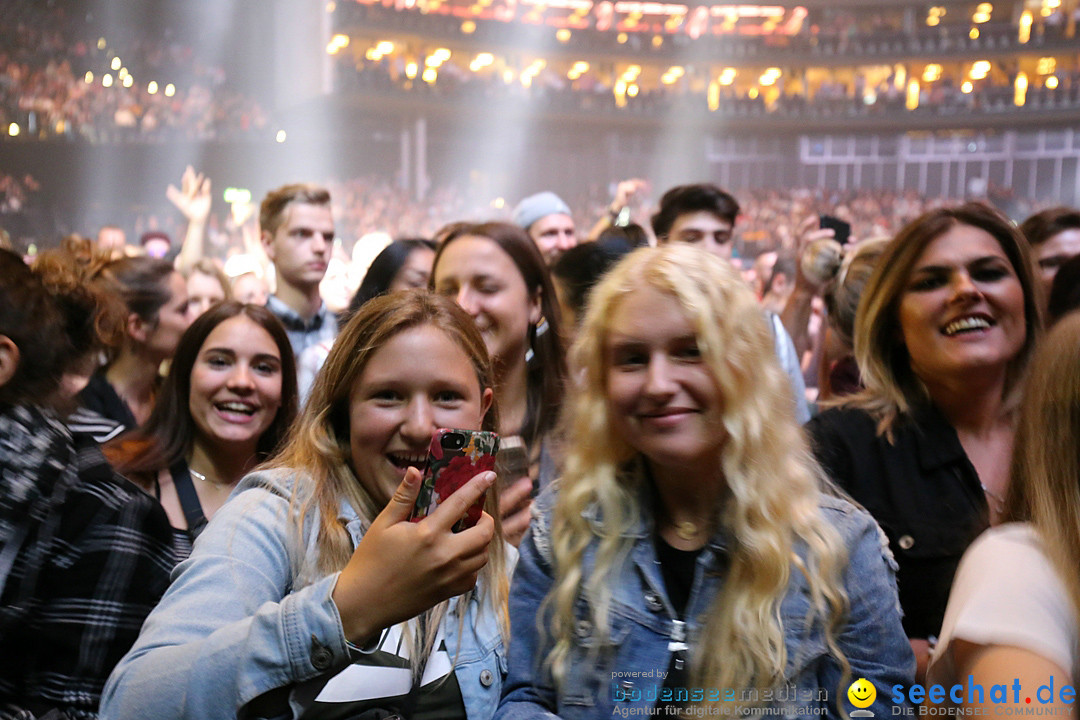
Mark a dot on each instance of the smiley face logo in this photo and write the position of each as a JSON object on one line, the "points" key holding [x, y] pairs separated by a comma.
{"points": [[862, 693]]}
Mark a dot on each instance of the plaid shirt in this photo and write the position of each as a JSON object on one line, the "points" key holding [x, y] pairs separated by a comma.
{"points": [[304, 334], [89, 555]]}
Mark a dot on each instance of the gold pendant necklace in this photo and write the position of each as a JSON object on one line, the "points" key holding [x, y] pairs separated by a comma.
{"points": [[686, 530]]}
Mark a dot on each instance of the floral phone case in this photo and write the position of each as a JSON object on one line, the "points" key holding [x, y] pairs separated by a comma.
{"points": [[454, 458]]}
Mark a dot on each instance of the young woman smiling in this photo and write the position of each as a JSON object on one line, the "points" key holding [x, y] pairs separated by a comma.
{"points": [[312, 594], [690, 533], [495, 272], [943, 334], [227, 402]]}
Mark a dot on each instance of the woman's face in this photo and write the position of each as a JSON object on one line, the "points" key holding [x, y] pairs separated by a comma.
{"points": [[662, 397], [415, 271], [235, 385], [484, 280], [963, 307], [419, 381], [172, 320], [203, 291]]}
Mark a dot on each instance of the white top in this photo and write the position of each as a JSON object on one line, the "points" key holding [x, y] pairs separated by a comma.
{"points": [[1007, 592]]}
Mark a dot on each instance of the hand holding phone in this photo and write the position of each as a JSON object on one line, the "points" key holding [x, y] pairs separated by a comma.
{"points": [[840, 228], [454, 458]]}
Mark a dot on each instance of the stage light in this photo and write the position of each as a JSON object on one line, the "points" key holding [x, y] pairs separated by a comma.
{"points": [[13, 129], [116, 64], [152, 87], [1052, 82], [106, 80], [128, 81], [170, 90]]}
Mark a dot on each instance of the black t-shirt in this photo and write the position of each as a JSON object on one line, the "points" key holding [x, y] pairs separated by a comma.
{"points": [[677, 568]]}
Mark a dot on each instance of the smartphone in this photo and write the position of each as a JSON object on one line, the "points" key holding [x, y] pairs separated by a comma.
{"points": [[838, 226], [512, 462], [454, 458]]}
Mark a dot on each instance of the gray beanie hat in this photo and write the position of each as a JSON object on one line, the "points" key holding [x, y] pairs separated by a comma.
{"points": [[537, 206]]}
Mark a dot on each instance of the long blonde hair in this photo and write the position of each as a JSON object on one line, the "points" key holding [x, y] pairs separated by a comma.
{"points": [[1045, 485], [892, 388], [773, 483], [319, 445]]}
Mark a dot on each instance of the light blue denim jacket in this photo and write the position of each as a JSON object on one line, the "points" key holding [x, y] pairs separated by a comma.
{"points": [[622, 678], [236, 623]]}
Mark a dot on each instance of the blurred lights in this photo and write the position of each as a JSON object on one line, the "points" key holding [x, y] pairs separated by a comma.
{"points": [[672, 75], [128, 81], [657, 41], [468, 27], [106, 80], [498, 203], [122, 74], [170, 90], [577, 70], [966, 87], [338, 42], [429, 75], [982, 13], [931, 73], [621, 38], [974, 33], [411, 69], [508, 76], [384, 47], [1025, 26], [727, 76], [980, 69], [101, 44], [911, 100], [1052, 82], [152, 87], [88, 77], [632, 89], [13, 129], [1020, 89], [331, 6], [753, 93], [280, 137], [934, 15], [769, 77], [713, 96], [115, 65], [1046, 66], [562, 35], [481, 61]]}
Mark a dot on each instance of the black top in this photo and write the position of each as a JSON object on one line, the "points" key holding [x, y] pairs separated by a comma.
{"points": [[100, 396], [922, 490]]}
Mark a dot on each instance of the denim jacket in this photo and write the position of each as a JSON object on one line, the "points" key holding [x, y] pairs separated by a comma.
{"points": [[625, 677], [237, 623]]}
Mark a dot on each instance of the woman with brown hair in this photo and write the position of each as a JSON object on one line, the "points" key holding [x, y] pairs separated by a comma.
{"points": [[156, 299], [943, 333], [1014, 609], [227, 403], [495, 273]]}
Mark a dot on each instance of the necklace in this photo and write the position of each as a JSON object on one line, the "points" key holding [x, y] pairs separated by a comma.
{"points": [[999, 502], [686, 529], [198, 476]]}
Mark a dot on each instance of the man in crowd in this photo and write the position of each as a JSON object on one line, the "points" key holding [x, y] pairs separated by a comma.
{"points": [[548, 221], [297, 230], [1054, 235], [704, 215]]}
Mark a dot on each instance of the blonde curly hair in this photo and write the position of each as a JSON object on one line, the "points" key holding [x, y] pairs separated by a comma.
{"points": [[772, 484]]}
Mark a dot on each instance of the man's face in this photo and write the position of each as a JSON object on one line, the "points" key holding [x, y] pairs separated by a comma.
{"points": [[702, 228], [300, 249], [554, 235], [111, 238]]}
